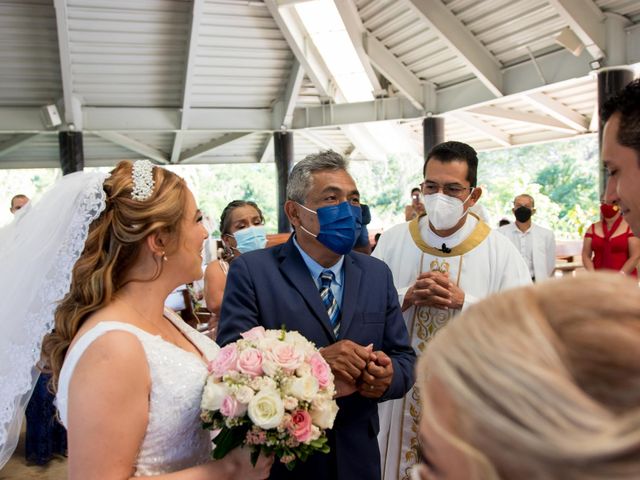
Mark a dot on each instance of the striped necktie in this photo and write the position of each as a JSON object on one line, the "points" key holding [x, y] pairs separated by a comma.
{"points": [[329, 301]]}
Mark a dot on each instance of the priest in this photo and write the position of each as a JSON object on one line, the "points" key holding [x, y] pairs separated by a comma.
{"points": [[442, 262]]}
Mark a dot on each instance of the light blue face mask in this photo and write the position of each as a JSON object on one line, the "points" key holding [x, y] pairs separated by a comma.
{"points": [[252, 238]]}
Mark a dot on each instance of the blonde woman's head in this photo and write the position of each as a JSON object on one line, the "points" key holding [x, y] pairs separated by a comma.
{"points": [[537, 383]]}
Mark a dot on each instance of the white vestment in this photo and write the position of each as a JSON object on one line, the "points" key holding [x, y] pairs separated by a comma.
{"points": [[481, 262]]}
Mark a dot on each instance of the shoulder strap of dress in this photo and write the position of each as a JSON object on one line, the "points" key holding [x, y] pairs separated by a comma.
{"points": [[224, 266], [75, 353]]}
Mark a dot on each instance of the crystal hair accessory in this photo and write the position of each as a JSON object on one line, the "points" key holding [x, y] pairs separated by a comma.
{"points": [[143, 182]]}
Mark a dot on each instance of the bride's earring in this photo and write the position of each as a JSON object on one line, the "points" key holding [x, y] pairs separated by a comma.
{"points": [[164, 257]]}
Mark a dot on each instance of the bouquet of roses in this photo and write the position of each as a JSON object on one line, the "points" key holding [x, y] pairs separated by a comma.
{"points": [[272, 391]]}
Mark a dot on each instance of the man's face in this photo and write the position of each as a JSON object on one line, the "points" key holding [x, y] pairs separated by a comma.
{"points": [[329, 187], [523, 202], [18, 203], [624, 174], [454, 175]]}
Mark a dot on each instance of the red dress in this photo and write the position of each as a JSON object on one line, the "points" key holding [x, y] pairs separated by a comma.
{"points": [[610, 253]]}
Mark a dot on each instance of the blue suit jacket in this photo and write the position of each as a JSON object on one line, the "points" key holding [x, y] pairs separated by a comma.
{"points": [[273, 287]]}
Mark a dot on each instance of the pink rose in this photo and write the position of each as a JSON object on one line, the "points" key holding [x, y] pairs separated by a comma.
{"points": [[225, 361], [320, 369], [301, 425], [250, 362], [256, 333], [232, 408], [286, 356]]}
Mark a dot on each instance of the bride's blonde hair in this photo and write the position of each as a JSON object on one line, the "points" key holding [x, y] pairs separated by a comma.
{"points": [[112, 246], [545, 381]]}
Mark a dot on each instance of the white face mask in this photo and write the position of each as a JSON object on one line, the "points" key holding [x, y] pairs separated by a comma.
{"points": [[444, 211]]}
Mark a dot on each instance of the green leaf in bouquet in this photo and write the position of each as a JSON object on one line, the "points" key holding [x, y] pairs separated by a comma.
{"points": [[228, 439]]}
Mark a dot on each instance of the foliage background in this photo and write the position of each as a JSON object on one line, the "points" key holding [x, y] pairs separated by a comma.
{"points": [[561, 176]]}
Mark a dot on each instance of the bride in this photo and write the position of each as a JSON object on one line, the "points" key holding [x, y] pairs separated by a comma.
{"points": [[129, 374]]}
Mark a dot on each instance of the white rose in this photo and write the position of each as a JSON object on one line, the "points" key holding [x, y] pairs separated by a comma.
{"points": [[290, 403], [323, 413], [298, 340], [263, 383], [303, 370], [304, 388], [269, 367], [315, 432], [244, 394], [213, 395], [266, 409]]}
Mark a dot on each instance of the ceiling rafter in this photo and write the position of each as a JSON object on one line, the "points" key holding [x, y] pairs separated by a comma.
{"points": [[72, 104], [530, 118], [129, 143], [15, 142], [395, 71], [283, 108], [356, 31], [460, 39], [586, 20], [192, 49], [319, 141], [305, 52], [266, 153], [559, 111], [495, 134], [311, 60], [207, 147]]}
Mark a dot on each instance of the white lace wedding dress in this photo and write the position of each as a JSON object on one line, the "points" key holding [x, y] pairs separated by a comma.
{"points": [[174, 439]]}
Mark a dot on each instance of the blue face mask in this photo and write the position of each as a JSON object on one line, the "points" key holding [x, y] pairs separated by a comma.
{"points": [[340, 226], [252, 238]]}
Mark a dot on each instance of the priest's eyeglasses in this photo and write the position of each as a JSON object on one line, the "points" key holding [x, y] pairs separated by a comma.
{"points": [[450, 189]]}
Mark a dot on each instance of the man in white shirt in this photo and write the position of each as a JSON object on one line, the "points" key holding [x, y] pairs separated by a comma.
{"points": [[536, 244], [441, 262]]}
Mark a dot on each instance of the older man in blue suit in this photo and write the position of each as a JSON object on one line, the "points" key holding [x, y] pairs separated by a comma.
{"points": [[345, 302]]}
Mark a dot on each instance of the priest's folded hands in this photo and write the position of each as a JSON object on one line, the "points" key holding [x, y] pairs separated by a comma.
{"points": [[434, 289]]}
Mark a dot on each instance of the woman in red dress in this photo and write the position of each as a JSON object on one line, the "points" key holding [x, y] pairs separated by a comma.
{"points": [[609, 244]]}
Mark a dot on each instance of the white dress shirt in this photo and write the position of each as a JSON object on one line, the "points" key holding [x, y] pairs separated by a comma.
{"points": [[537, 245]]}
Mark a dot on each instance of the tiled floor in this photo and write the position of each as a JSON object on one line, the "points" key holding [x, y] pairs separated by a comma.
{"points": [[17, 468]]}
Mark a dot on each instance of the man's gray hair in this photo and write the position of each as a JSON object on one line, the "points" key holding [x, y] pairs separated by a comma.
{"points": [[526, 195], [301, 176]]}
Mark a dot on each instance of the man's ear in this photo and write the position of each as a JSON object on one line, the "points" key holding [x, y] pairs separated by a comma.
{"points": [[533, 210], [291, 209], [475, 196]]}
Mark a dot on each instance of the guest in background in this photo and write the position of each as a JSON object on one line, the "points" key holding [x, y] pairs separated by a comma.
{"points": [[416, 208], [17, 202], [242, 230], [503, 222], [609, 243], [536, 383], [536, 244], [45, 437]]}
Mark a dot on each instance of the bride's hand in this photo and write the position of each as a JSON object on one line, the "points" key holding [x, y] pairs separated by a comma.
{"points": [[240, 462]]}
